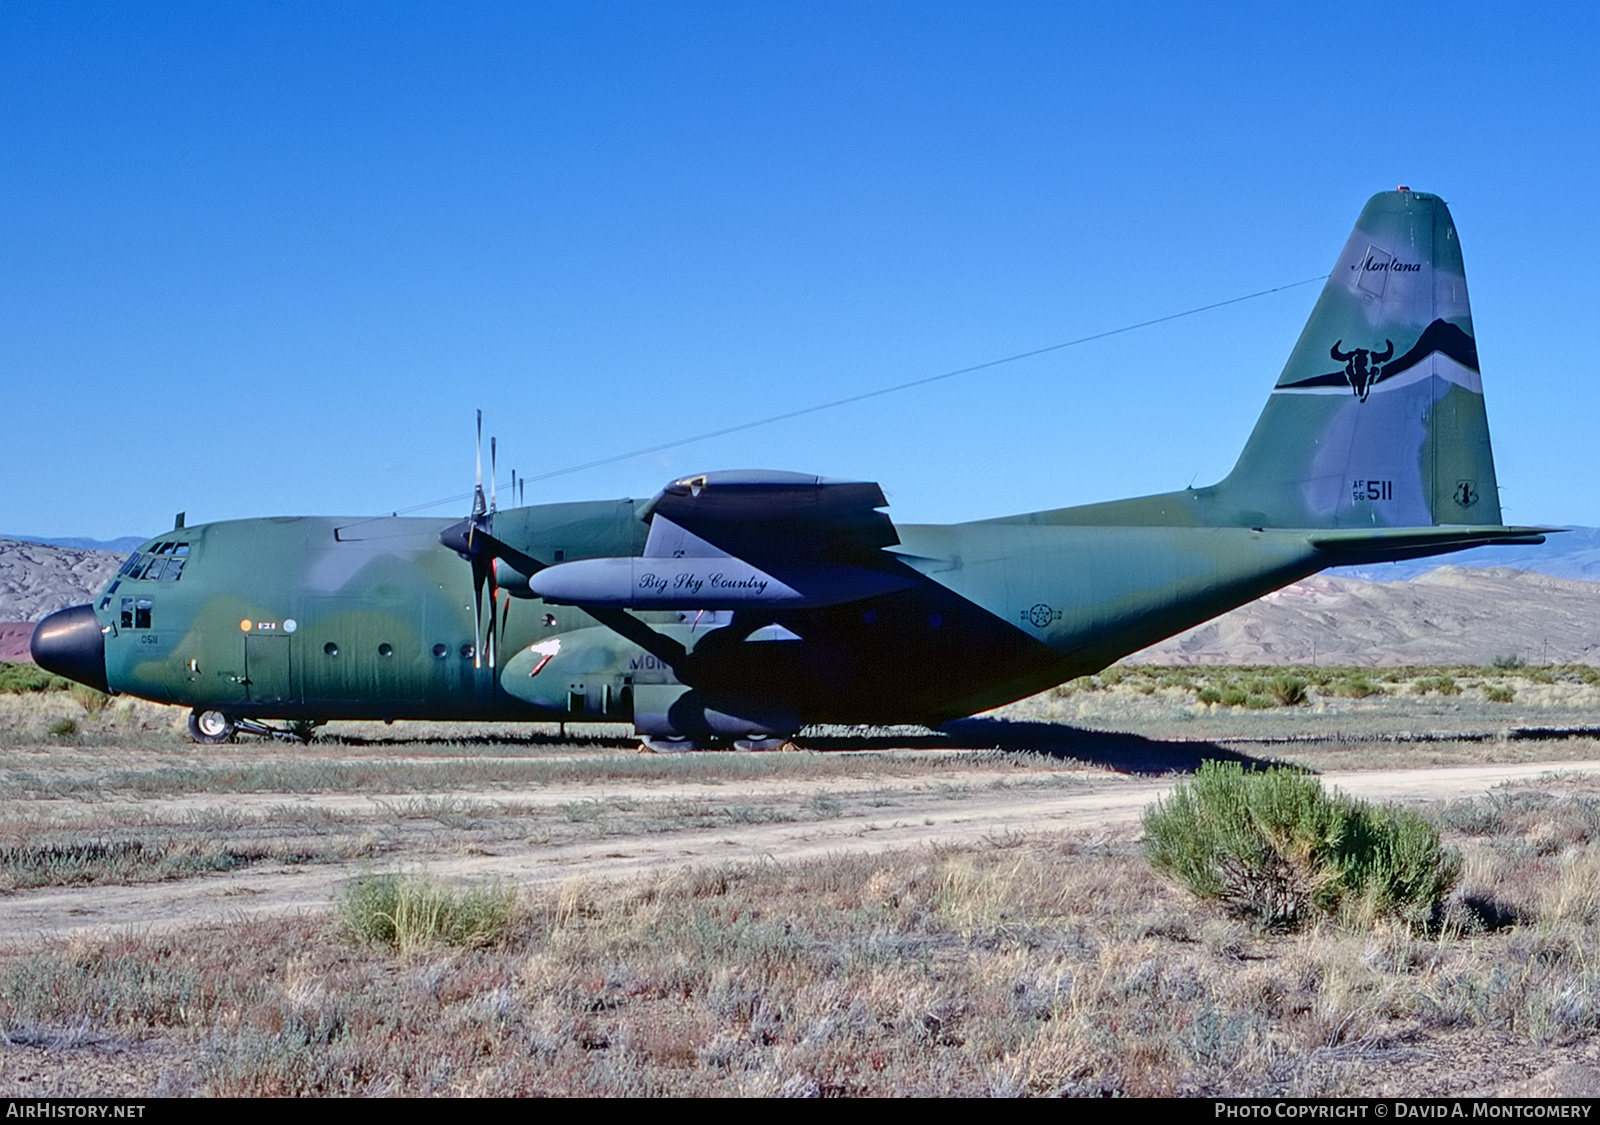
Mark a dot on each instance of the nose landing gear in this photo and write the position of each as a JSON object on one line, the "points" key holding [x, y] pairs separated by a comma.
{"points": [[211, 727]]}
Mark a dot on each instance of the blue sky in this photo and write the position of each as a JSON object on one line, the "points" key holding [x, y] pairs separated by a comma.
{"points": [[262, 259]]}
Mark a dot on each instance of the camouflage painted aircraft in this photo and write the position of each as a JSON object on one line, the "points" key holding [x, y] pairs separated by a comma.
{"points": [[738, 607]]}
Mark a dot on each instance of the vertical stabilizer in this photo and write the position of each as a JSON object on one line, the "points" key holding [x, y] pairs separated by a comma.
{"points": [[1378, 418]]}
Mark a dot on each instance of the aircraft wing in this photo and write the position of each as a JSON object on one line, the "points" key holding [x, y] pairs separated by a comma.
{"points": [[744, 540]]}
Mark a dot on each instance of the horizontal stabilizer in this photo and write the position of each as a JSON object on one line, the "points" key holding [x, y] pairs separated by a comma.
{"points": [[1399, 543]]}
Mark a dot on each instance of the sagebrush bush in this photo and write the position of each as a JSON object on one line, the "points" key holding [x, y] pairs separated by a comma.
{"points": [[414, 912], [1358, 687], [1289, 690], [1275, 847]]}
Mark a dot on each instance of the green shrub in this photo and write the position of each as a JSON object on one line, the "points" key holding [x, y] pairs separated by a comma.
{"points": [[1499, 693], [21, 678], [63, 728], [1509, 662], [1210, 694], [1359, 687], [1275, 847], [1289, 690], [414, 912]]}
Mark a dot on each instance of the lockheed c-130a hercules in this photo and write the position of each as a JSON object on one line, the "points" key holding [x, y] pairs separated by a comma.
{"points": [[739, 607]]}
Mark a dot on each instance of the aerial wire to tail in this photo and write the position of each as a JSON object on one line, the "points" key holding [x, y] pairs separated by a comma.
{"points": [[864, 396], [922, 382]]}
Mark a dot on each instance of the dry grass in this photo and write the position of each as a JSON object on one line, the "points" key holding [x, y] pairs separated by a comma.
{"points": [[414, 914], [1043, 966], [1026, 964]]}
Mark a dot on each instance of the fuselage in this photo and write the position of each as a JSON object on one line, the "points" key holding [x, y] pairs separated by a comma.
{"points": [[326, 618]]}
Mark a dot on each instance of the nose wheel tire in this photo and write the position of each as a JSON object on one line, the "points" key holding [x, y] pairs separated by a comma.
{"points": [[210, 727]]}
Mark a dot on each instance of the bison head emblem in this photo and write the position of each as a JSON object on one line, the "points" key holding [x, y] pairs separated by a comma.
{"points": [[1362, 367]]}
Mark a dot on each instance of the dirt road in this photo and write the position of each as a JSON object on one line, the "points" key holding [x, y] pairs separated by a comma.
{"points": [[876, 817]]}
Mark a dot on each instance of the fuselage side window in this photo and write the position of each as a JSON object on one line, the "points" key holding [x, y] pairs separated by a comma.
{"points": [[141, 613]]}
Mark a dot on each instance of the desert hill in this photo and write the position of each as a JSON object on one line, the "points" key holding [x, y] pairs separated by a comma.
{"points": [[1448, 615], [36, 579]]}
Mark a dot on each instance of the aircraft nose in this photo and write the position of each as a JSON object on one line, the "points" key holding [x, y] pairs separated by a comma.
{"points": [[69, 643]]}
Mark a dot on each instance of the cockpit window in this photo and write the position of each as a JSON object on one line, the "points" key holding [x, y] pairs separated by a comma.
{"points": [[164, 563], [135, 613]]}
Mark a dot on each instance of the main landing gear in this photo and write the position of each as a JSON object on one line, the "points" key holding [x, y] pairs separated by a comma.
{"points": [[212, 727], [656, 744]]}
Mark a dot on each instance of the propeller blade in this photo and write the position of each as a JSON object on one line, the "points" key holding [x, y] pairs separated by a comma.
{"points": [[494, 611], [478, 505], [477, 614], [494, 477]]}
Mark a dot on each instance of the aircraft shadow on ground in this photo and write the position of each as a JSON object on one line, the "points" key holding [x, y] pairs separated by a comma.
{"points": [[1113, 750], [465, 741]]}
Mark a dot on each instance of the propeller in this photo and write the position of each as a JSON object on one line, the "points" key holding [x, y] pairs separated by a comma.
{"points": [[494, 506], [473, 539]]}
